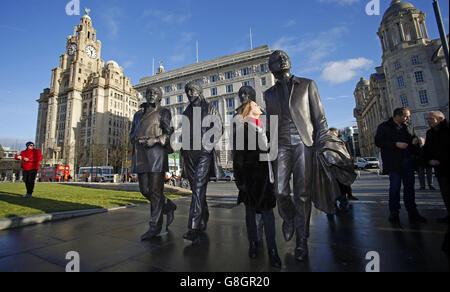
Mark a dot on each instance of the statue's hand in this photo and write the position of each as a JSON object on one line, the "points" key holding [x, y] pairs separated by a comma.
{"points": [[151, 142], [143, 141]]}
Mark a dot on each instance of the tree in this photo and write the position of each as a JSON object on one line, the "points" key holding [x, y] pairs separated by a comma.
{"points": [[2, 152]]}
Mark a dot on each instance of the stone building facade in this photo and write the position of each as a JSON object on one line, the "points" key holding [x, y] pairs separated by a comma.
{"points": [[89, 106], [220, 79], [413, 74]]}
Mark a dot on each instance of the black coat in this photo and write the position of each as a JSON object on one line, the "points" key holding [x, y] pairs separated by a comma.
{"points": [[386, 138], [436, 148], [251, 174]]}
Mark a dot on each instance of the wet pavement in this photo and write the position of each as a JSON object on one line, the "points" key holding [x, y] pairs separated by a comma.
{"points": [[110, 242]]}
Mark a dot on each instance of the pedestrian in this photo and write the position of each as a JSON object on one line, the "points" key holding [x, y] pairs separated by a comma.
{"points": [[436, 153], [395, 137], [253, 179], [31, 159], [424, 170]]}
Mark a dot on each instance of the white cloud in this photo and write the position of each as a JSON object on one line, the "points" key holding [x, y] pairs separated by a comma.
{"points": [[110, 17], [315, 48], [168, 17], [343, 71]]}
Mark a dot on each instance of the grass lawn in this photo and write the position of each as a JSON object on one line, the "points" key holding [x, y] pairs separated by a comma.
{"points": [[51, 198]]}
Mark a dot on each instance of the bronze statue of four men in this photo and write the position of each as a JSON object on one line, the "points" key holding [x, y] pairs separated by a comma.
{"points": [[304, 146]]}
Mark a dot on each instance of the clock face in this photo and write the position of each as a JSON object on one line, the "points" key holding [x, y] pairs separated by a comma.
{"points": [[91, 52], [72, 49]]}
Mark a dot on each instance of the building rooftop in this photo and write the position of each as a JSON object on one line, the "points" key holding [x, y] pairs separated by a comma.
{"points": [[207, 65]]}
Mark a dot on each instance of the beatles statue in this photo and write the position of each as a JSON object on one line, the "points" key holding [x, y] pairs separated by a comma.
{"points": [[200, 161], [304, 148], [150, 137]]}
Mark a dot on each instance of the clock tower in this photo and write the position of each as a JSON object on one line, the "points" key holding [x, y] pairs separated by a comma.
{"points": [[75, 112]]}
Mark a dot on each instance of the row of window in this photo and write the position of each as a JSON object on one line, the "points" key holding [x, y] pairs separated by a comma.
{"points": [[423, 98], [415, 60], [214, 78], [230, 103], [417, 75], [214, 90]]}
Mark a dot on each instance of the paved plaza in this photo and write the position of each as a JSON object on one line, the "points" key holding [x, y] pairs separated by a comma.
{"points": [[110, 242]]}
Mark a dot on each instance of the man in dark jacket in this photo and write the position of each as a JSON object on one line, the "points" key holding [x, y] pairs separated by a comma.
{"points": [[398, 145], [150, 137], [436, 153], [199, 156]]}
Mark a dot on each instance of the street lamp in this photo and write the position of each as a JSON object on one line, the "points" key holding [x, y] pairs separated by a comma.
{"points": [[437, 12]]}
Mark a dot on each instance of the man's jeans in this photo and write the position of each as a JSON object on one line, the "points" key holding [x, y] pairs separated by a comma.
{"points": [[407, 176]]}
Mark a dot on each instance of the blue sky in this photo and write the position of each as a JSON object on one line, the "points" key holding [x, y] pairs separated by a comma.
{"points": [[333, 42]]}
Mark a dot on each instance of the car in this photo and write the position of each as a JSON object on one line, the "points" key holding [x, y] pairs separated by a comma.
{"points": [[229, 176], [360, 163], [372, 162]]}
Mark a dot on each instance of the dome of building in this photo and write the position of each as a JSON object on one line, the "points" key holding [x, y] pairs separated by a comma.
{"points": [[396, 7], [114, 63], [363, 82]]}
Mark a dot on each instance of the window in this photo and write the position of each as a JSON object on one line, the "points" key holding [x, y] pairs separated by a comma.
{"points": [[213, 91], [245, 72], [168, 101], [180, 86], [180, 98], [401, 82], [216, 104], [263, 68], [198, 81], [404, 101], [180, 111], [246, 83], [263, 81], [213, 78], [419, 77], [423, 96], [168, 89], [229, 88], [397, 66], [230, 103], [229, 75], [415, 60]]}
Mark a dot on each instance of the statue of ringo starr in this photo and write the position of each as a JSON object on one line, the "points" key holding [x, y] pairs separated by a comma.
{"points": [[150, 137], [301, 122], [199, 157]]}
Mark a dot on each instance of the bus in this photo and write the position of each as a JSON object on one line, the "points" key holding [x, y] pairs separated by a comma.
{"points": [[97, 174], [58, 173]]}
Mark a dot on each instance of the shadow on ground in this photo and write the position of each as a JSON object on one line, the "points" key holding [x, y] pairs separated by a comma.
{"points": [[44, 205]]}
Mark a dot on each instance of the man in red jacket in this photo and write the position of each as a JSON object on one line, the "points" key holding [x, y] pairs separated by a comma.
{"points": [[30, 165]]}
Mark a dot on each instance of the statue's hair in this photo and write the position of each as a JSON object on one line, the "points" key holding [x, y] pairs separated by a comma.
{"points": [[156, 88], [273, 57], [249, 90], [193, 84]]}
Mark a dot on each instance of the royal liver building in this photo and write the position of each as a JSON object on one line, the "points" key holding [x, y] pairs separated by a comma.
{"points": [[86, 112], [413, 74]]}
